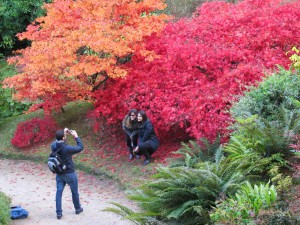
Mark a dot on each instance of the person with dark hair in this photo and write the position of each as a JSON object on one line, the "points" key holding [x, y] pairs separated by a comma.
{"points": [[148, 141], [69, 176], [129, 126]]}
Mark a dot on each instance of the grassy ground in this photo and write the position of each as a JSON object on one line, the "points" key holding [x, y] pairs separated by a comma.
{"points": [[101, 157]]}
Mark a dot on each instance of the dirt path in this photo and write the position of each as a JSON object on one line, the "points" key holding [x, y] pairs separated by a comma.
{"points": [[32, 186]]}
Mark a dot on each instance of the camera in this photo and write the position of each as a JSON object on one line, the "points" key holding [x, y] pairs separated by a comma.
{"points": [[68, 130]]}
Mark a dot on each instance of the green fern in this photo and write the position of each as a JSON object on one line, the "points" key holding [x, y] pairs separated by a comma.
{"points": [[181, 195], [195, 152], [248, 200], [135, 217], [258, 145]]}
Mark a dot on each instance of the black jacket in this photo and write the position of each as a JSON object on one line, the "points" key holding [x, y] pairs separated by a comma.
{"points": [[147, 134], [67, 152]]}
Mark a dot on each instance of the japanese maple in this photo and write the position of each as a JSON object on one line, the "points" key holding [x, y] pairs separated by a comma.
{"points": [[205, 62], [34, 131], [78, 45]]}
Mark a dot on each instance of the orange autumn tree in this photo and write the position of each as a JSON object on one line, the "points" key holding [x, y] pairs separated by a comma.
{"points": [[78, 45]]}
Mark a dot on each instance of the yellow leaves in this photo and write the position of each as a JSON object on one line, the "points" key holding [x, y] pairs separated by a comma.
{"points": [[295, 58]]}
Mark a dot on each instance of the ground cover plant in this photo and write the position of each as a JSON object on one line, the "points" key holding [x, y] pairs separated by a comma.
{"points": [[4, 209], [246, 204]]}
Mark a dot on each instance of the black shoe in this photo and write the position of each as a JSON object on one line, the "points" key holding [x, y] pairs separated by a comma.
{"points": [[146, 162], [78, 211], [130, 157], [59, 216]]}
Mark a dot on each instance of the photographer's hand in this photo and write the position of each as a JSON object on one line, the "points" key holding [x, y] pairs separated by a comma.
{"points": [[74, 133]]}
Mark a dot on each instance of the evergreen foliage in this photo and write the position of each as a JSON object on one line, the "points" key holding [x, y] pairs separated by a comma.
{"points": [[281, 89], [8, 106], [194, 152], [267, 121], [4, 209], [258, 145], [245, 205], [184, 195], [15, 16]]}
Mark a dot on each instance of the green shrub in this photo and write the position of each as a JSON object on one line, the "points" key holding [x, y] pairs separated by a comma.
{"points": [[278, 90], [267, 121], [246, 204], [258, 145], [9, 107], [4, 209], [15, 16]]}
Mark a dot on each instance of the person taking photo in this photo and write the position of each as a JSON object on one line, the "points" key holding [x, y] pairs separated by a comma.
{"points": [[69, 176]]}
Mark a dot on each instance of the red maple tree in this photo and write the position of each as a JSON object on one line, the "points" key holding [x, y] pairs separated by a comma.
{"points": [[205, 62]]}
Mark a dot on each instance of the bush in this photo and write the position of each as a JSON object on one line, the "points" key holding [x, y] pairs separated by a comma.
{"points": [[4, 209], [34, 131], [246, 204], [278, 90], [267, 120], [9, 107]]}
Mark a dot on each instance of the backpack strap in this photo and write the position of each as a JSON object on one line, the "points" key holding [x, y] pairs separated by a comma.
{"points": [[59, 149]]}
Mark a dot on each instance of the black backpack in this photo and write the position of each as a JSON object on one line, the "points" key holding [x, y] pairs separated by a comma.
{"points": [[55, 163]]}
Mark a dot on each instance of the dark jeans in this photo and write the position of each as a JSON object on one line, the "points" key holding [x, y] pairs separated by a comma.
{"points": [[131, 144], [145, 149], [61, 181]]}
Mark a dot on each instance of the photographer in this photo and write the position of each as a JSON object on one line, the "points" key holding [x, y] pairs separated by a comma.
{"points": [[69, 176]]}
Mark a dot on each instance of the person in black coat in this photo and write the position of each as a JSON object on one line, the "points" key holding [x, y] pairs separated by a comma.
{"points": [[147, 139], [130, 126], [69, 176]]}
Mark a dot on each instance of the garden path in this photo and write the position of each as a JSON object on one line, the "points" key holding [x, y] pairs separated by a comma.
{"points": [[32, 186]]}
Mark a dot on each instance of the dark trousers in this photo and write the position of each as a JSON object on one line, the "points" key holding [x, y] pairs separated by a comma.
{"points": [[72, 180], [145, 149], [131, 143]]}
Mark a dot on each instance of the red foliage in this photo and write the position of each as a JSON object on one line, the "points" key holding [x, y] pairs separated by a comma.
{"points": [[34, 131], [205, 62]]}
